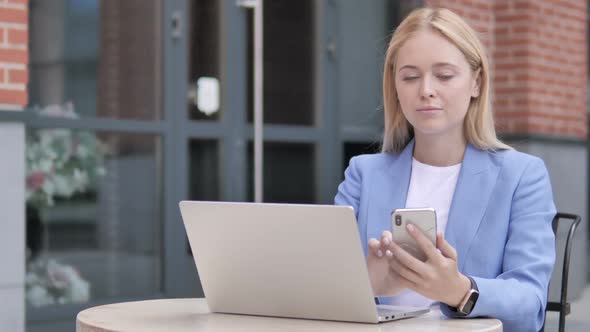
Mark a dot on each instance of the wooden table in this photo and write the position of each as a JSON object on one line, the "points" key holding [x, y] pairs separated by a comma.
{"points": [[193, 315]]}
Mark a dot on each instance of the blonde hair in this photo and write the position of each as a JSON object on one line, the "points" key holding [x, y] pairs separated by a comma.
{"points": [[478, 124]]}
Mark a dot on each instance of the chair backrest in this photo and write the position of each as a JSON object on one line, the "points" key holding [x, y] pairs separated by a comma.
{"points": [[563, 307]]}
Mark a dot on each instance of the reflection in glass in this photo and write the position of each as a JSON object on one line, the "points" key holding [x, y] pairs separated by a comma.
{"points": [[203, 53], [203, 173], [289, 81], [204, 170], [101, 57], [93, 216], [289, 175]]}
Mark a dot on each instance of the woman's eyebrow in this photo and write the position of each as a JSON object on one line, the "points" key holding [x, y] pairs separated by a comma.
{"points": [[407, 67], [436, 65], [444, 64]]}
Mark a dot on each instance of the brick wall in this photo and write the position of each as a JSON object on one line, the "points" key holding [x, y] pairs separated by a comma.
{"points": [[14, 55], [479, 14], [539, 54]]}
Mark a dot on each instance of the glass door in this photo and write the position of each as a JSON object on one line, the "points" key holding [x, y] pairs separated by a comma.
{"points": [[322, 63], [213, 99], [205, 89]]}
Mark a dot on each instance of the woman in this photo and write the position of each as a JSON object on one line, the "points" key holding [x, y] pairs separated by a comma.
{"points": [[494, 205]]}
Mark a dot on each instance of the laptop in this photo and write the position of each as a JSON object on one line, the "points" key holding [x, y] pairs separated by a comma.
{"points": [[284, 260]]}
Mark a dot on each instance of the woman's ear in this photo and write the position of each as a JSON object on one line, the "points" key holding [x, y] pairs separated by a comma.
{"points": [[475, 90]]}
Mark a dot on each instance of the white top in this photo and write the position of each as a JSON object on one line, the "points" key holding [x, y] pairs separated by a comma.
{"points": [[433, 187]]}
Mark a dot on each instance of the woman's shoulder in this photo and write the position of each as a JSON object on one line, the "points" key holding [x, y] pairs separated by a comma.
{"points": [[373, 160], [516, 160]]}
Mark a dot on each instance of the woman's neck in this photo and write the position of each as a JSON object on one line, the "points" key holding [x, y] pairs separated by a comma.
{"points": [[439, 151]]}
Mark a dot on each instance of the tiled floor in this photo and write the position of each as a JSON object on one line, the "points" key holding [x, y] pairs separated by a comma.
{"points": [[578, 320]]}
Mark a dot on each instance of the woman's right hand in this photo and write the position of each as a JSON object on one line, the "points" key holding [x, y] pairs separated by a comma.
{"points": [[384, 280]]}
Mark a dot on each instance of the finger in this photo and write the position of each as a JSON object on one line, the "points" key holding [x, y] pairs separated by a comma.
{"points": [[386, 239], [375, 247], [403, 271], [407, 260], [423, 242], [445, 247]]}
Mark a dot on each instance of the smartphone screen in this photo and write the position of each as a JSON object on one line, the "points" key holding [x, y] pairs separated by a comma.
{"points": [[422, 218]]}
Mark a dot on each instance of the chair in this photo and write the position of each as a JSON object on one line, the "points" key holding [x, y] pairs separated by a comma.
{"points": [[563, 307]]}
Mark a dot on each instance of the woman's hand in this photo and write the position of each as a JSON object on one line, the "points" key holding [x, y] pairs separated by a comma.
{"points": [[438, 278], [384, 280]]}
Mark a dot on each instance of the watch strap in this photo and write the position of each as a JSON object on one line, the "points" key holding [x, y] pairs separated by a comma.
{"points": [[472, 295], [460, 310]]}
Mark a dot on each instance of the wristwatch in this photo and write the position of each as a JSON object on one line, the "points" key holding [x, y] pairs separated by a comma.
{"points": [[468, 302]]}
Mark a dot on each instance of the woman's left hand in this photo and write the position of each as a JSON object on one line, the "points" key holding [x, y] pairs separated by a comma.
{"points": [[437, 278]]}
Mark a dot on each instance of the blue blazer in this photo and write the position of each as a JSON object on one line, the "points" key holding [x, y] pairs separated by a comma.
{"points": [[499, 223]]}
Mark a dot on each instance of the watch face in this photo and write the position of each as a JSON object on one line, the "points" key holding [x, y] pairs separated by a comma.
{"points": [[470, 303]]}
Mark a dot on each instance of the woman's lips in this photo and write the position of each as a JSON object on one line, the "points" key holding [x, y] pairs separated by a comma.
{"points": [[429, 109]]}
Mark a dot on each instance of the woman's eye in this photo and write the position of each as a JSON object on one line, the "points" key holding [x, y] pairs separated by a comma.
{"points": [[445, 77], [410, 78]]}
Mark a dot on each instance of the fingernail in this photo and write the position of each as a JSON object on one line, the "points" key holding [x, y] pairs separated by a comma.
{"points": [[410, 227], [388, 253], [386, 241], [379, 253]]}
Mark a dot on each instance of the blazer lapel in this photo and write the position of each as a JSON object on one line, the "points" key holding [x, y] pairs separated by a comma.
{"points": [[390, 195], [475, 184]]}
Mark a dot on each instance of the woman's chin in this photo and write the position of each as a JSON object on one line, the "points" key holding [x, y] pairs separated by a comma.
{"points": [[436, 133], [430, 130]]}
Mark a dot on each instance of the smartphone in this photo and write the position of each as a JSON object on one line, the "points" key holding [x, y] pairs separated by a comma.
{"points": [[423, 218]]}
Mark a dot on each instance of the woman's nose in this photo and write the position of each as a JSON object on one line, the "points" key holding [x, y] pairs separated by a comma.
{"points": [[426, 88]]}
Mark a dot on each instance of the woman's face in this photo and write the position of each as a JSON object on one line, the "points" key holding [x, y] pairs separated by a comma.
{"points": [[434, 84]]}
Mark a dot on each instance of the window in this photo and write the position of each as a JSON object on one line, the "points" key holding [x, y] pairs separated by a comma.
{"points": [[95, 187]]}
